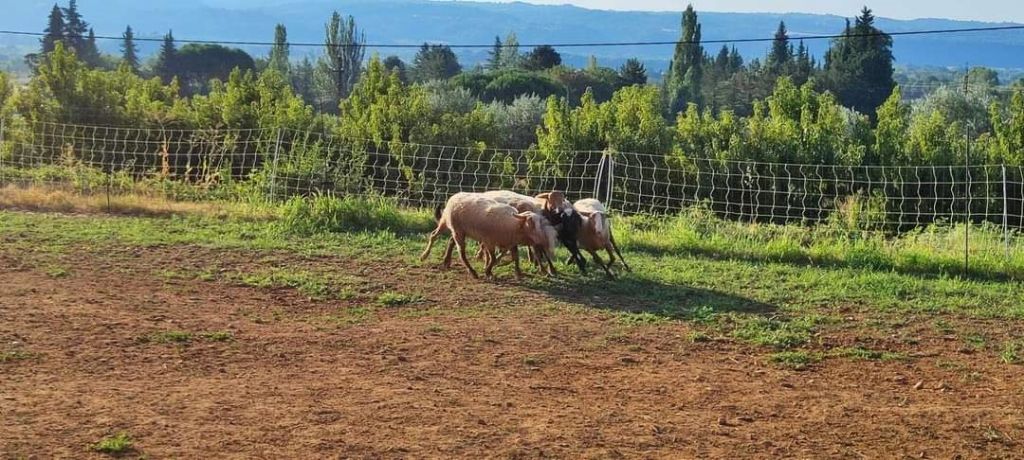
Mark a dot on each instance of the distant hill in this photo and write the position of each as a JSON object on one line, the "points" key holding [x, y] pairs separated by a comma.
{"points": [[416, 21]]}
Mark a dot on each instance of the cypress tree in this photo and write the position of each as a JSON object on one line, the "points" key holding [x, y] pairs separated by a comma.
{"points": [[75, 28], [129, 52], [859, 65], [685, 71], [167, 61], [494, 61], [55, 29], [780, 57], [279, 54]]}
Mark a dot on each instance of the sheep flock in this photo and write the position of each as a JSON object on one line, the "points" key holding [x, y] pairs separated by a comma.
{"points": [[501, 221]]}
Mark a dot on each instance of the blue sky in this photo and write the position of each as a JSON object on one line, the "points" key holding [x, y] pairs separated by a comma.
{"points": [[983, 10]]}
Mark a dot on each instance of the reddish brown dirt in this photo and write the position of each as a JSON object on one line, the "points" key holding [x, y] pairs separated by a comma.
{"points": [[466, 374]]}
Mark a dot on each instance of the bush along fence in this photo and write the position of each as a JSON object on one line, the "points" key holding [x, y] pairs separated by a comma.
{"points": [[274, 164]]}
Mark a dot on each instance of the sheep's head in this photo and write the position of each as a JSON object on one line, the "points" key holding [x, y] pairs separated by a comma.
{"points": [[555, 202], [536, 229]]}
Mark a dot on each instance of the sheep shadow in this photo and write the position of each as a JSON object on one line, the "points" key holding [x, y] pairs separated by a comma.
{"points": [[634, 294]]}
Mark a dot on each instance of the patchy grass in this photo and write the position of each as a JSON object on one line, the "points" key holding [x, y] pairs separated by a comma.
{"points": [[345, 317], [184, 337], [58, 272], [114, 445], [15, 355], [394, 299], [776, 333], [640, 318], [313, 285], [1013, 352], [47, 200], [864, 354]]}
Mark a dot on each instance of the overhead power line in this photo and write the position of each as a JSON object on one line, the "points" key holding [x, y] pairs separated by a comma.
{"points": [[559, 45]]}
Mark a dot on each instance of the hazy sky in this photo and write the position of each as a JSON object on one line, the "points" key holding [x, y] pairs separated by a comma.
{"points": [[983, 10]]}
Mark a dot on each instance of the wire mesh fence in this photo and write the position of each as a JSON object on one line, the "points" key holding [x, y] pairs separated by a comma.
{"points": [[277, 163]]}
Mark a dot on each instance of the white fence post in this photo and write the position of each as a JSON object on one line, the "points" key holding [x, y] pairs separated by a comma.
{"points": [[273, 170], [609, 183], [2, 127], [1006, 224]]}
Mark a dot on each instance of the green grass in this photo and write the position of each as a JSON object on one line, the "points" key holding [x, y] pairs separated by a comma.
{"points": [[345, 317], [57, 272], [394, 299], [117, 444], [15, 355], [797, 360], [311, 284], [863, 354], [1013, 352], [771, 286], [184, 337]]}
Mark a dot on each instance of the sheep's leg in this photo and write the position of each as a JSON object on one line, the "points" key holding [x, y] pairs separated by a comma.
{"points": [[515, 260], [491, 260], [433, 237], [598, 261], [448, 254], [577, 256], [611, 238], [547, 256], [460, 242]]}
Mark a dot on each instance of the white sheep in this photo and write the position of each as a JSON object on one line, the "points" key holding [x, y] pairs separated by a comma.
{"points": [[493, 224], [596, 233], [522, 203]]}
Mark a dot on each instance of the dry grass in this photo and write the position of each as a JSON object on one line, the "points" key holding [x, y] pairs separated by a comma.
{"points": [[46, 200]]}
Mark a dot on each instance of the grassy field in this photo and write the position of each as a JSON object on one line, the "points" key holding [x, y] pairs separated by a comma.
{"points": [[782, 299]]}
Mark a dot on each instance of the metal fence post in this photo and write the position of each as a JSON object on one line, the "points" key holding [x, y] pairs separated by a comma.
{"points": [[610, 181], [273, 169], [1006, 217], [3, 125]]}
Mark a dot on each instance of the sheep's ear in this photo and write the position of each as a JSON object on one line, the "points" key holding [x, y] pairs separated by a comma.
{"points": [[543, 196], [585, 213], [523, 216]]}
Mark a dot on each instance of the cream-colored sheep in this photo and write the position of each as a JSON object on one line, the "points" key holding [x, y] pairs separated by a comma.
{"points": [[522, 203], [493, 224], [596, 233]]}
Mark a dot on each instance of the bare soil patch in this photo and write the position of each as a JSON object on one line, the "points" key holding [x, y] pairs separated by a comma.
{"points": [[468, 369]]}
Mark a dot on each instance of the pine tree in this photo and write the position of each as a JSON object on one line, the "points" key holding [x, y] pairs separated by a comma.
{"points": [[279, 54], [735, 60], [859, 65], [541, 58], [780, 58], [434, 62], [55, 30], [632, 73], [804, 65], [166, 66], [75, 28], [685, 77], [129, 53], [90, 52], [494, 59], [722, 60]]}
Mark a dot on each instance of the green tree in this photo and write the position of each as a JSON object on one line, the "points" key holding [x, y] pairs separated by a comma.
{"points": [[55, 30], [129, 52], [197, 64], [166, 66], [279, 53], [344, 49], [685, 75], [803, 65], [891, 131], [494, 55], [632, 73], [91, 52], [859, 65], [510, 57], [1009, 130], [506, 86], [395, 64], [434, 62], [542, 57], [303, 78], [780, 58], [75, 29]]}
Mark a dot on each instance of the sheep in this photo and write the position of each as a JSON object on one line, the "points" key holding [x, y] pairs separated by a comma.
{"points": [[493, 224], [596, 233], [522, 203], [557, 210]]}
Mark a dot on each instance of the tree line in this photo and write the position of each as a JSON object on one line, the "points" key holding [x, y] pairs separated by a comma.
{"points": [[788, 107]]}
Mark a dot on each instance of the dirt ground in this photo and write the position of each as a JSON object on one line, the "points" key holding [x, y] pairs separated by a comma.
{"points": [[474, 370]]}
